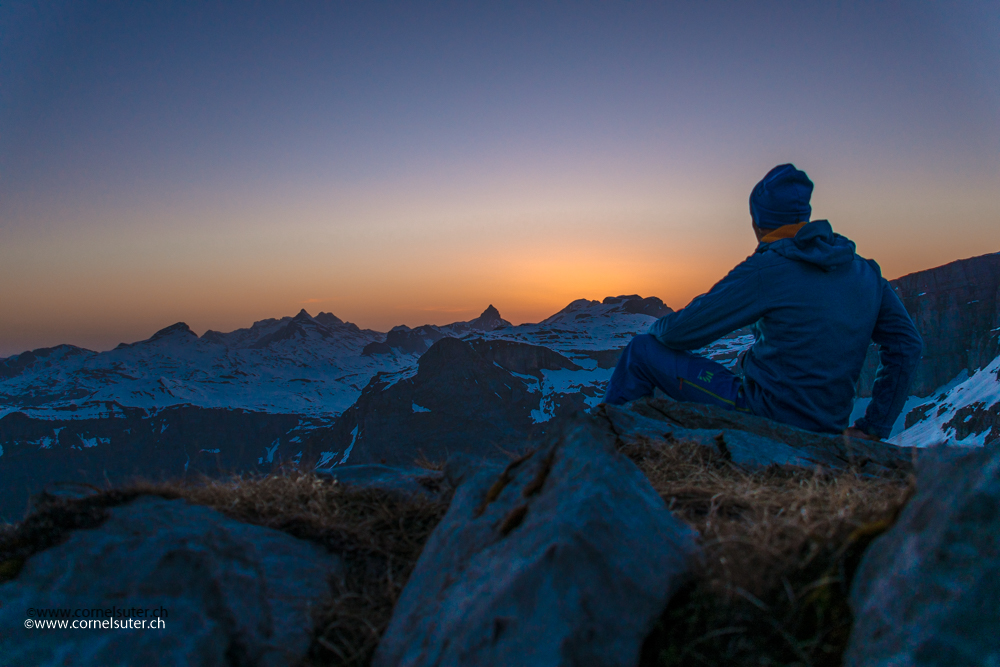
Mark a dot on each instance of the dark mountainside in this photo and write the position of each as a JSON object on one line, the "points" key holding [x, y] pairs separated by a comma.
{"points": [[956, 308], [464, 398], [132, 443]]}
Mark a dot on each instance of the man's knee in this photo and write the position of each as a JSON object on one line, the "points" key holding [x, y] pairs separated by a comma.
{"points": [[646, 348], [642, 346]]}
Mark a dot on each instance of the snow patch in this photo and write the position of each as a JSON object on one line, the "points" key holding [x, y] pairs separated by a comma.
{"points": [[982, 390], [347, 452], [271, 450], [546, 410], [417, 408], [211, 451], [324, 458]]}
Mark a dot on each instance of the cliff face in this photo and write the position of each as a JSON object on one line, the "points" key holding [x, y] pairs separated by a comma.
{"points": [[955, 308]]}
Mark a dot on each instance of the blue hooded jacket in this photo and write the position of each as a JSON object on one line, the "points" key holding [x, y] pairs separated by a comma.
{"points": [[815, 306]]}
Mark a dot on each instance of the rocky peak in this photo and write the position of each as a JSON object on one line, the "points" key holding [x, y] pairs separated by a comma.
{"points": [[574, 306], [489, 320], [296, 327], [328, 319], [633, 303], [179, 329], [413, 341]]}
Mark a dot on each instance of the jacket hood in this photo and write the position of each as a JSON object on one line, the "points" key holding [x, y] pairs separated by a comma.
{"points": [[816, 243]]}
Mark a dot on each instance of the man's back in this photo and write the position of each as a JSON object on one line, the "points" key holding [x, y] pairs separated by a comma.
{"points": [[819, 309], [816, 306]]}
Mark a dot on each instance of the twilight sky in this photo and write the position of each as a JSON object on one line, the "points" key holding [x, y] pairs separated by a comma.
{"points": [[411, 163]]}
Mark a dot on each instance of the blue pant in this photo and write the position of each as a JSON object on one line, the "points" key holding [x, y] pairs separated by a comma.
{"points": [[646, 363]]}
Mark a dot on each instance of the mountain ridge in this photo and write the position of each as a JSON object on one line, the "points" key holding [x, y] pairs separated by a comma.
{"points": [[304, 390]]}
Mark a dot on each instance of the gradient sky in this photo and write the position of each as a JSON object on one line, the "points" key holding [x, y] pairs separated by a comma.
{"points": [[411, 163]]}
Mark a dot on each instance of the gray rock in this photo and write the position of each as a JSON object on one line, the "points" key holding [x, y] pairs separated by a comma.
{"points": [[926, 592], [751, 441], [233, 593], [630, 425], [751, 451], [396, 480], [460, 466], [565, 558], [747, 450]]}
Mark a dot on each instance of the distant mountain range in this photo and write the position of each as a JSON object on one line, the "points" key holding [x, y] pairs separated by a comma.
{"points": [[311, 366], [319, 391]]}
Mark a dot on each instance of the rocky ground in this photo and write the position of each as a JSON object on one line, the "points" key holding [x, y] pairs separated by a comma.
{"points": [[655, 534]]}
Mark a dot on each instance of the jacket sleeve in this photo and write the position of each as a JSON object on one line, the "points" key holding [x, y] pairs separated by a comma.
{"points": [[734, 302], [899, 348]]}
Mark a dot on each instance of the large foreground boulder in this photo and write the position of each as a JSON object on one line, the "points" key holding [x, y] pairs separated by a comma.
{"points": [[566, 557], [926, 592], [227, 592]]}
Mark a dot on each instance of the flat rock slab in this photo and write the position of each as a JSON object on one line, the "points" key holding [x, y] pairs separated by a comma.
{"points": [[566, 557], [233, 593], [927, 592], [397, 480], [750, 441], [744, 449]]}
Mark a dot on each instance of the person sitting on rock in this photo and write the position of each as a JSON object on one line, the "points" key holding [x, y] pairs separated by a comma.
{"points": [[815, 305]]}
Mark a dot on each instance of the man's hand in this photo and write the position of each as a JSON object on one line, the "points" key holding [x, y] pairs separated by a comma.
{"points": [[852, 432]]}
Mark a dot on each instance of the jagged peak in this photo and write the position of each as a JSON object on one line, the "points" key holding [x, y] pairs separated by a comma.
{"points": [[489, 320]]}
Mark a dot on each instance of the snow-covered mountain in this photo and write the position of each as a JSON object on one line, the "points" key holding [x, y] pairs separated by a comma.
{"points": [[303, 365], [278, 391], [313, 366]]}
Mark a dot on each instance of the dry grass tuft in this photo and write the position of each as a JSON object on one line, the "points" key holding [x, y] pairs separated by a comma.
{"points": [[780, 545]]}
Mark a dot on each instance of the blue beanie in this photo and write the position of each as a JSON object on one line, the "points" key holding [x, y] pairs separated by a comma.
{"points": [[781, 198]]}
